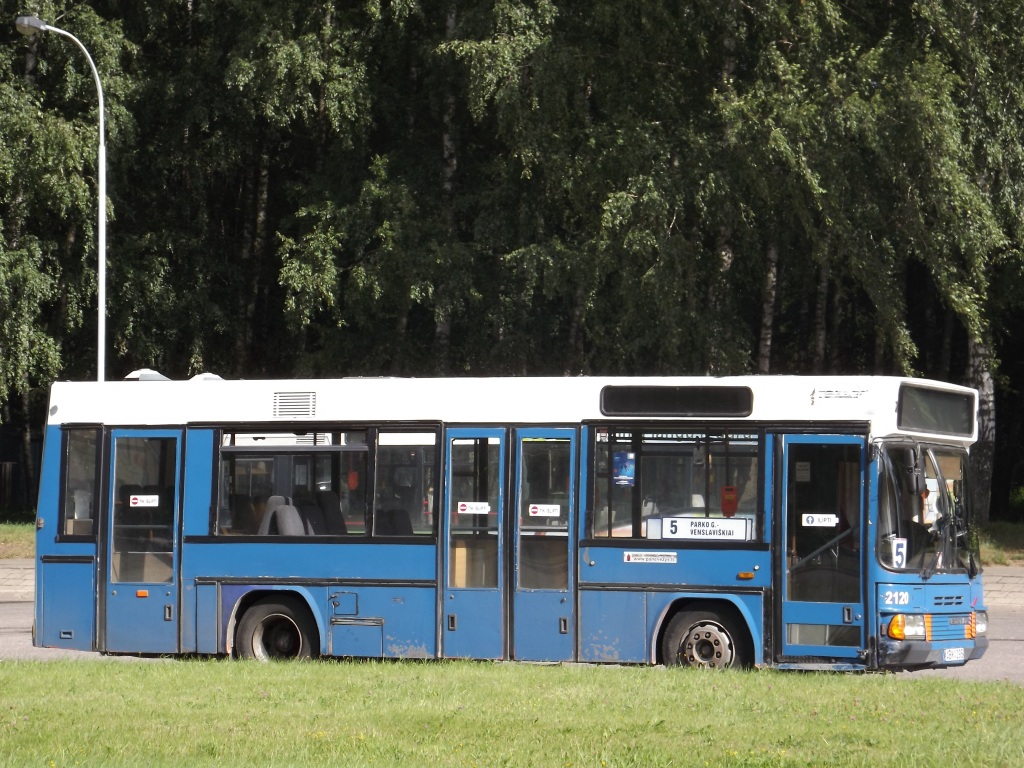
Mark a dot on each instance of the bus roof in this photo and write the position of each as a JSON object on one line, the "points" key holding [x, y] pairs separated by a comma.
{"points": [[875, 400]]}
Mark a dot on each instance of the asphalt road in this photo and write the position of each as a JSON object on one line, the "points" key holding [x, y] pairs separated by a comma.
{"points": [[1004, 659]]}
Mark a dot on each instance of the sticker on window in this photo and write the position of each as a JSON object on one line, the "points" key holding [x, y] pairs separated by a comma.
{"points": [[624, 468], [820, 521], [899, 553], [147, 500], [545, 510], [474, 508]]}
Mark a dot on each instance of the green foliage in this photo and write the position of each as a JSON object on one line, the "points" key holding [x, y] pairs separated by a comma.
{"points": [[516, 186]]}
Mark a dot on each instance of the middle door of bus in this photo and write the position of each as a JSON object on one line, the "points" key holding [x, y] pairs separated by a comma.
{"points": [[507, 532]]}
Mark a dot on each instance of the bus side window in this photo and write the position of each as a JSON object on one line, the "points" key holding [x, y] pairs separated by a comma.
{"points": [[81, 475], [644, 475], [406, 476]]}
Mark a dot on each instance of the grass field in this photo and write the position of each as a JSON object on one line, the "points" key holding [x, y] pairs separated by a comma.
{"points": [[484, 714], [17, 540], [1002, 544]]}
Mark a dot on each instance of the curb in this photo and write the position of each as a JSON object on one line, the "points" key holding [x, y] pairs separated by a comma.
{"points": [[17, 580]]}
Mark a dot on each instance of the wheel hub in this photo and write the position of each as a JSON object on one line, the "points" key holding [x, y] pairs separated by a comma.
{"points": [[707, 645], [277, 637]]}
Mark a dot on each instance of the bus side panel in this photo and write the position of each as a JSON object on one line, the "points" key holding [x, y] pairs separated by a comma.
{"points": [[399, 608], [65, 589], [205, 622], [613, 626], [67, 604], [623, 576], [393, 622], [196, 505], [375, 622], [639, 563]]}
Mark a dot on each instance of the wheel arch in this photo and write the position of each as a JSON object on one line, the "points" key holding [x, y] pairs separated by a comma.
{"points": [[726, 606], [299, 596]]}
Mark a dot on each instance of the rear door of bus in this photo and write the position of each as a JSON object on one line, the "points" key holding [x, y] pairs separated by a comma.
{"points": [[139, 551]]}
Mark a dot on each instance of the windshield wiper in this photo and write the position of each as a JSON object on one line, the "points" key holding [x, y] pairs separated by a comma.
{"points": [[928, 572], [941, 543]]}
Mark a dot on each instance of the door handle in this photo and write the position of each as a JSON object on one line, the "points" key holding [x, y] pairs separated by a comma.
{"points": [[168, 613], [847, 614]]}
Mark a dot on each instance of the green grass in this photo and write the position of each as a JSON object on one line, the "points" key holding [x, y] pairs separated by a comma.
{"points": [[17, 540], [483, 714], [1002, 544]]}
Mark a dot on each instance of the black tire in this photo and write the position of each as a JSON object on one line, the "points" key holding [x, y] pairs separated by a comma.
{"points": [[276, 628], [706, 640]]}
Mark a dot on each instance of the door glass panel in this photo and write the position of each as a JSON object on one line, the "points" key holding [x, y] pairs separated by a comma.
{"points": [[473, 512], [823, 509], [80, 481], [544, 514], [142, 533], [822, 634]]}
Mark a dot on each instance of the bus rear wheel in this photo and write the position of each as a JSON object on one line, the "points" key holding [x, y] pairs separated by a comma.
{"points": [[276, 628], [704, 639]]}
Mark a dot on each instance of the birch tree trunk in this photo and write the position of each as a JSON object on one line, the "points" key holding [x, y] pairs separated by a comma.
{"points": [[450, 163], [983, 451], [764, 350]]}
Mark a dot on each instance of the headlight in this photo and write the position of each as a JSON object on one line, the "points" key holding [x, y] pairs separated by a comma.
{"points": [[905, 626], [981, 623]]}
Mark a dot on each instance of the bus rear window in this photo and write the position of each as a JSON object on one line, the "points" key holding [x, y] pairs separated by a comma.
{"points": [[81, 480]]}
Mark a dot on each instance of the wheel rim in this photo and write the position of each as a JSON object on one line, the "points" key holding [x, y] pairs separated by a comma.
{"points": [[277, 637], [707, 645]]}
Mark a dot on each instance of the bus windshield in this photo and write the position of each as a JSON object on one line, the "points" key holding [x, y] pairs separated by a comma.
{"points": [[924, 520]]}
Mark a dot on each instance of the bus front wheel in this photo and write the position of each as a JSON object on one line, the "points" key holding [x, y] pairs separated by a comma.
{"points": [[704, 639], [276, 629]]}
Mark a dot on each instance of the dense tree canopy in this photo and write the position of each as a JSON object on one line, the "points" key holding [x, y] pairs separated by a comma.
{"points": [[419, 187]]}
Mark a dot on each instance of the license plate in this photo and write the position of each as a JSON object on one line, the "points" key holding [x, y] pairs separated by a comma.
{"points": [[952, 654]]}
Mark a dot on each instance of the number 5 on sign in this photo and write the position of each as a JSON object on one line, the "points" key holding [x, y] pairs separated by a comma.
{"points": [[899, 553]]}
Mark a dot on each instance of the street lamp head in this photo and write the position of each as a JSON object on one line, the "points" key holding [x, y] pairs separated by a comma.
{"points": [[30, 25]]}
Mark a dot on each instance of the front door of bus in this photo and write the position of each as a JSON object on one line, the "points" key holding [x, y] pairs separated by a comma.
{"points": [[822, 527], [140, 563], [480, 563]]}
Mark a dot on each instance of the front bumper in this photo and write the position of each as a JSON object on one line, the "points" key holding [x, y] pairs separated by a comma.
{"points": [[920, 654]]}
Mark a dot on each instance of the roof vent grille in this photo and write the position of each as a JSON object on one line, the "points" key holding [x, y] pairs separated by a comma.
{"points": [[294, 405]]}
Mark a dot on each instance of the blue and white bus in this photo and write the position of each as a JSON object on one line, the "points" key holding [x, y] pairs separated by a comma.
{"points": [[791, 522]]}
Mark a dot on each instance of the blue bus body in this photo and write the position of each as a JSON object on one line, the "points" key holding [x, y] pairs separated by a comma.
{"points": [[710, 539]]}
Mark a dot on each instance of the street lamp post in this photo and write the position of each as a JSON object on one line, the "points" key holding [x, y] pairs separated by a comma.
{"points": [[31, 25]]}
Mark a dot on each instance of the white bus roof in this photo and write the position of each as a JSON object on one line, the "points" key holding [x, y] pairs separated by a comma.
{"points": [[526, 400]]}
